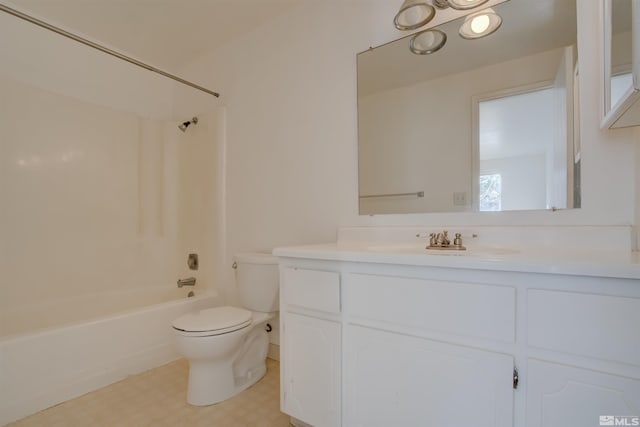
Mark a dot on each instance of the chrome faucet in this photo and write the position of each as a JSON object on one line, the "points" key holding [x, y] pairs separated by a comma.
{"points": [[189, 281], [440, 241]]}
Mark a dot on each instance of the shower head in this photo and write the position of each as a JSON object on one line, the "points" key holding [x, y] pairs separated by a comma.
{"points": [[183, 127]]}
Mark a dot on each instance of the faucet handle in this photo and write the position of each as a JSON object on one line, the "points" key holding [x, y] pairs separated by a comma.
{"points": [[432, 239]]}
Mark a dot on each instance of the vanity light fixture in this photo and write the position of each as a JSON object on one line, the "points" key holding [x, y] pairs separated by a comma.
{"points": [[465, 4], [480, 24], [414, 14], [427, 42]]}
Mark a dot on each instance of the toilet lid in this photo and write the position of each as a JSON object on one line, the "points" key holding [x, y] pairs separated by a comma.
{"points": [[219, 320]]}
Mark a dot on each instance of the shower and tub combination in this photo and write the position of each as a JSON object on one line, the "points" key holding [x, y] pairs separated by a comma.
{"points": [[102, 198], [89, 289]]}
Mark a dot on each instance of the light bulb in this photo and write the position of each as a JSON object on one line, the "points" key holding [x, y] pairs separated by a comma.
{"points": [[480, 23]]}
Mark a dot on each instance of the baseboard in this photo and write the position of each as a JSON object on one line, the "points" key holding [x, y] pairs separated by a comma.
{"points": [[274, 352], [297, 423]]}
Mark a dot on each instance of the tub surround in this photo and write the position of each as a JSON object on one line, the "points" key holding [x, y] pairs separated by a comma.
{"points": [[517, 332]]}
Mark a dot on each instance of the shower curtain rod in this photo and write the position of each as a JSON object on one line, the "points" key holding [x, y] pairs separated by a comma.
{"points": [[101, 48]]}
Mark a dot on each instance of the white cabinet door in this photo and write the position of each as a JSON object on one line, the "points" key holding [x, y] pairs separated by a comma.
{"points": [[311, 370], [399, 380], [566, 396]]}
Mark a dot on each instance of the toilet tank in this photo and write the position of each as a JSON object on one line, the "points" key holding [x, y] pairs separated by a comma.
{"points": [[258, 281]]}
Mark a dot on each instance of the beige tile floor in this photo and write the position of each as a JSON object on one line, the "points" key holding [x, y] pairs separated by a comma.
{"points": [[158, 398]]}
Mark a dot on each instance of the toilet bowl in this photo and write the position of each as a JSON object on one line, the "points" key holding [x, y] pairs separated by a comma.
{"points": [[227, 346]]}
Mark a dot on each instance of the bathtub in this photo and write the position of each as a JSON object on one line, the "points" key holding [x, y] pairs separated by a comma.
{"points": [[43, 366]]}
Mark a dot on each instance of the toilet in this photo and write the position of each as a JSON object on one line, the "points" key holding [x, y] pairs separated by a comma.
{"points": [[227, 346]]}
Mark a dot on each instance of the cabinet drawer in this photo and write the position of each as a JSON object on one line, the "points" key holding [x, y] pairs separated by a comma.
{"points": [[598, 326], [464, 309], [314, 289]]}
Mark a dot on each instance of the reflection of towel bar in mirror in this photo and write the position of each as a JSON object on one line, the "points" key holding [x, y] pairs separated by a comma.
{"points": [[417, 194]]}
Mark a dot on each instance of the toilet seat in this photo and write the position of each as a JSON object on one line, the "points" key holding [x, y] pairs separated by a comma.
{"points": [[213, 321]]}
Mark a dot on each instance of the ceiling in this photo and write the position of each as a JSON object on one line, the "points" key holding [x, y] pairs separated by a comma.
{"points": [[167, 34]]}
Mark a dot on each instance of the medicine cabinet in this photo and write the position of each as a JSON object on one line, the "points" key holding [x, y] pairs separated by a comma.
{"points": [[621, 63]]}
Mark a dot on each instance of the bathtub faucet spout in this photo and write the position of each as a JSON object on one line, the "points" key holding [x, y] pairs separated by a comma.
{"points": [[189, 281]]}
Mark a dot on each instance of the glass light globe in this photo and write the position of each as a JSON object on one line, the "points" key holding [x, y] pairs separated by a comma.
{"points": [[480, 23]]}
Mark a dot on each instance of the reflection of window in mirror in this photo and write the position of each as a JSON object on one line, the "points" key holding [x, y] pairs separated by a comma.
{"points": [[490, 192]]}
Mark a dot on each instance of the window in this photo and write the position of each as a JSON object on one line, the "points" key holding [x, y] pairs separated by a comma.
{"points": [[490, 192]]}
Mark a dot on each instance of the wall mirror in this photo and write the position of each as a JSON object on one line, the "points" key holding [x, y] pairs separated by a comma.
{"points": [[479, 125]]}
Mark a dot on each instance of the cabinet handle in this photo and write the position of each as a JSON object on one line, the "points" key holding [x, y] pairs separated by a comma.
{"points": [[515, 378]]}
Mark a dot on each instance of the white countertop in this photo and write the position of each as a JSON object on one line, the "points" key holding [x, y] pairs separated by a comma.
{"points": [[615, 264]]}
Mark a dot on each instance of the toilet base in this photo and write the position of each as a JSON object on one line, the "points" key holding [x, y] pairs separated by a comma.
{"points": [[211, 383]]}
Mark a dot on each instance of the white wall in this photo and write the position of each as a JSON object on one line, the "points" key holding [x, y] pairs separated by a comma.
{"points": [[290, 91], [46, 60], [42, 59]]}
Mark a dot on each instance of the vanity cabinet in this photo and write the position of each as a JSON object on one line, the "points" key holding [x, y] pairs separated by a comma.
{"points": [[443, 346], [311, 377]]}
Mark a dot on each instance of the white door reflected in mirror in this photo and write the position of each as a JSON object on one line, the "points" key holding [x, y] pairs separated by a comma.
{"points": [[521, 155]]}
